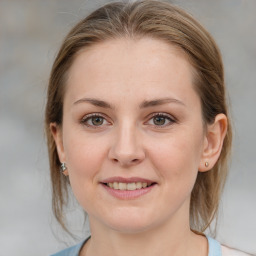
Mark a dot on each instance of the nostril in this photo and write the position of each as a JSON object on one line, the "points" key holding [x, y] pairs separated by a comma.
{"points": [[133, 161]]}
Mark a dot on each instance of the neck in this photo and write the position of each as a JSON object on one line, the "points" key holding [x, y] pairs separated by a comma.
{"points": [[164, 240]]}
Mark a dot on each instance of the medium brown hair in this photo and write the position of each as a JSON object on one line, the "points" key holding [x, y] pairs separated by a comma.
{"points": [[162, 21]]}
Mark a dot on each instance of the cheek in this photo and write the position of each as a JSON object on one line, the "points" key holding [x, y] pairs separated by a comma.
{"points": [[177, 157], [84, 157], [81, 149]]}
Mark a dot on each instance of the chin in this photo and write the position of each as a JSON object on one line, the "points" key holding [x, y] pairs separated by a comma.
{"points": [[126, 228], [130, 223]]}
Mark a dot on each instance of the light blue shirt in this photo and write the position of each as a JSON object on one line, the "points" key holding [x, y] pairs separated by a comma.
{"points": [[214, 248]]}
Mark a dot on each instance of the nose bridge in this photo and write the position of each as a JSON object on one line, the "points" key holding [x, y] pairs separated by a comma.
{"points": [[127, 137], [126, 147]]}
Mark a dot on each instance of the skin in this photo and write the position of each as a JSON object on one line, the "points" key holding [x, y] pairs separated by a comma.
{"points": [[129, 142]]}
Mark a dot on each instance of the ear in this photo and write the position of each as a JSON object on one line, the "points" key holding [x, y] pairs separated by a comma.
{"points": [[213, 142], [57, 135]]}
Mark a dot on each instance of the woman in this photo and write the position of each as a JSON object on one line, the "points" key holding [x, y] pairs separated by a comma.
{"points": [[137, 120]]}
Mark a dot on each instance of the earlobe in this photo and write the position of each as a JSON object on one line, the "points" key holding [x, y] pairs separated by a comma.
{"points": [[57, 135], [213, 142]]}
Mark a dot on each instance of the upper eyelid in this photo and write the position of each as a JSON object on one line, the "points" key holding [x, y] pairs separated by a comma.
{"points": [[150, 115], [162, 114], [93, 115]]}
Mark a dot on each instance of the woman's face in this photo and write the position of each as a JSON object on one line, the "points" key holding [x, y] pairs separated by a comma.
{"points": [[132, 119]]}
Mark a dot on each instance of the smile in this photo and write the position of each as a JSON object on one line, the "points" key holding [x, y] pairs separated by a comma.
{"points": [[128, 186]]}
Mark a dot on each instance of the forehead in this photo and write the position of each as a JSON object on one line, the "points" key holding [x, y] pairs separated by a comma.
{"points": [[127, 67]]}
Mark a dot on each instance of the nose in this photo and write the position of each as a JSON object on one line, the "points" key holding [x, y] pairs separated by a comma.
{"points": [[126, 148]]}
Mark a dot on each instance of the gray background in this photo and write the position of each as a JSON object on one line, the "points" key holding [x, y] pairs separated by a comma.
{"points": [[30, 34]]}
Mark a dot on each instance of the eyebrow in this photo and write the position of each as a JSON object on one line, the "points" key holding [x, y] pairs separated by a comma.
{"points": [[95, 102], [144, 104], [157, 102]]}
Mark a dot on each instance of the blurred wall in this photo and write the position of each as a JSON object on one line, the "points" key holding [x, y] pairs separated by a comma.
{"points": [[30, 34]]}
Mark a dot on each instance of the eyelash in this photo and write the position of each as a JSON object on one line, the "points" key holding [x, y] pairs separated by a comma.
{"points": [[168, 117], [88, 117]]}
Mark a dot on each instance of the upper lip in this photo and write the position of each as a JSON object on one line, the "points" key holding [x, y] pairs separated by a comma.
{"points": [[126, 180]]}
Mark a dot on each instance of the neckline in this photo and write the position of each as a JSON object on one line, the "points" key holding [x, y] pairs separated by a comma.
{"points": [[214, 247]]}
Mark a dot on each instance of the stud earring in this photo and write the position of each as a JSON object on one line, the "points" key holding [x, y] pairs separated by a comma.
{"points": [[63, 169], [206, 164]]}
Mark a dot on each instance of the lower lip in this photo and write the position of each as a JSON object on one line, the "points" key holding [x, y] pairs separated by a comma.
{"points": [[128, 194]]}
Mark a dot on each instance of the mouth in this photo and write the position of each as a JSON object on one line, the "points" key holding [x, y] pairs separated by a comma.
{"points": [[129, 186]]}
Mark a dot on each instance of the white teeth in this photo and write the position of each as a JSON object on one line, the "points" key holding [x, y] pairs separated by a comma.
{"points": [[115, 185], [131, 186], [122, 186], [110, 185], [138, 185], [128, 186]]}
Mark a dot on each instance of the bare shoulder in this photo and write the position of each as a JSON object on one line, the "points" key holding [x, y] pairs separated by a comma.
{"points": [[227, 251]]}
